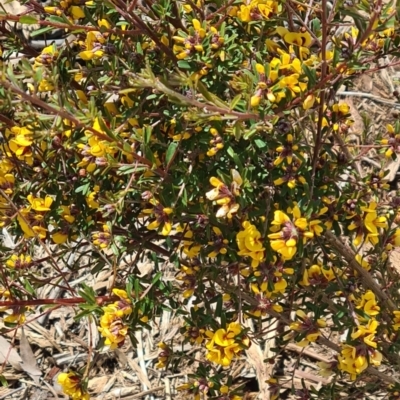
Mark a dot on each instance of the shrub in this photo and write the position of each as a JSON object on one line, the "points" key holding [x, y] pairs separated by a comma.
{"points": [[209, 135]]}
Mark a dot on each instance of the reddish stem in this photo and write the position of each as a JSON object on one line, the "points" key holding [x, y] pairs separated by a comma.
{"points": [[66, 302]]}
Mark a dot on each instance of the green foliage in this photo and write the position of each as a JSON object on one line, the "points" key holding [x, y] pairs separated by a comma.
{"points": [[205, 139]]}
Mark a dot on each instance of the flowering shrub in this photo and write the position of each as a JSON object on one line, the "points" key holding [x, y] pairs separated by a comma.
{"points": [[208, 134]]}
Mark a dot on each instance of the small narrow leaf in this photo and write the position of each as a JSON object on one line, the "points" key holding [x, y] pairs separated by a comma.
{"points": [[171, 152], [28, 20]]}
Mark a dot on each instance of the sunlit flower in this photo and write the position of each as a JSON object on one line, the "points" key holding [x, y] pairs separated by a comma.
{"points": [[368, 304], [93, 46], [95, 151], [161, 215], [366, 333], [19, 262], [224, 346], [225, 197], [164, 355], [354, 360], [102, 239], [91, 198], [288, 232], [368, 224], [250, 243], [72, 386], [271, 277], [218, 243], [188, 276], [20, 142], [308, 327], [113, 329], [39, 204], [317, 275]]}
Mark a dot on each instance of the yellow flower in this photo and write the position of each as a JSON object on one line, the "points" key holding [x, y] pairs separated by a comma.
{"points": [[162, 217], [250, 244], [257, 9], [102, 239], [76, 12], [93, 46], [189, 247], [285, 241], [189, 278], [316, 275], [113, 329], [368, 304], [301, 39], [286, 151], [20, 144], [31, 224], [19, 262], [368, 224], [218, 242], [396, 320], [309, 102], [72, 386], [164, 355], [95, 151], [39, 204], [367, 333], [363, 262], [91, 198], [264, 304], [308, 327], [45, 86], [223, 345], [224, 196], [354, 360]]}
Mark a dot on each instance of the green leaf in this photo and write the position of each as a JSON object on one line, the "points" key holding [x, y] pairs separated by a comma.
{"points": [[209, 96], [58, 20], [84, 189], [88, 294], [184, 65], [237, 130], [28, 20], [260, 143], [3, 381], [250, 134], [28, 287], [98, 267], [316, 25], [149, 155], [311, 75], [156, 278], [147, 134], [218, 309], [235, 101], [235, 158], [170, 152]]}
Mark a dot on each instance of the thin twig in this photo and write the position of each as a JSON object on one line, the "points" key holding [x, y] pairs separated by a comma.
{"points": [[348, 254], [369, 96], [318, 139]]}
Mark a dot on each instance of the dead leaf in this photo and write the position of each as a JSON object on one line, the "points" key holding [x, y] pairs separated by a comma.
{"points": [[97, 384], [9, 354], [392, 167], [28, 358], [256, 360]]}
